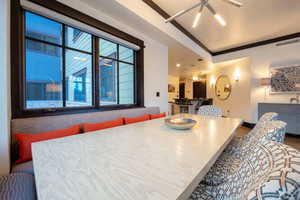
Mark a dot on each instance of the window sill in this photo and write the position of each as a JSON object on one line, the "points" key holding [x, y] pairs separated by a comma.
{"points": [[65, 111]]}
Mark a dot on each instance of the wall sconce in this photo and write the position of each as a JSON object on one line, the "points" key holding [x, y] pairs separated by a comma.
{"points": [[212, 81], [237, 75], [265, 82]]}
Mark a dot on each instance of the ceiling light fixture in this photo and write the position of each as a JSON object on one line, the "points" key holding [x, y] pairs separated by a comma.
{"points": [[202, 4], [197, 18], [220, 19], [235, 3], [178, 65]]}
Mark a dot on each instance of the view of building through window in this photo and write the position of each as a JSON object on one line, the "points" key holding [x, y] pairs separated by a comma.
{"points": [[59, 67], [116, 74]]}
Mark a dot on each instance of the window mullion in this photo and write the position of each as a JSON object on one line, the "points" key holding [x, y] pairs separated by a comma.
{"points": [[64, 65], [118, 80], [134, 79], [96, 71]]}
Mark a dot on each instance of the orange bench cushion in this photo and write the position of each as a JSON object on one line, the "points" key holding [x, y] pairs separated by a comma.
{"points": [[156, 116], [136, 119], [25, 140], [103, 125]]}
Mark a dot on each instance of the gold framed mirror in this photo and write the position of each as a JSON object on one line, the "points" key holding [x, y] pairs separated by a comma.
{"points": [[223, 87]]}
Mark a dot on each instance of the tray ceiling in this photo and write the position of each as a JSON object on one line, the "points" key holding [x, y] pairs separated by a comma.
{"points": [[256, 21]]}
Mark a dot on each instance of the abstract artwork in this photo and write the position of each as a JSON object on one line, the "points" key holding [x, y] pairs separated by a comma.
{"points": [[285, 79]]}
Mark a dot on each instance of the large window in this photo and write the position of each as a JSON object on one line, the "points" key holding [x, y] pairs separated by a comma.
{"points": [[61, 66], [54, 53], [116, 73]]}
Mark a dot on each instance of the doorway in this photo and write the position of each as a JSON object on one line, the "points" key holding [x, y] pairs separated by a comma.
{"points": [[181, 90], [199, 89]]}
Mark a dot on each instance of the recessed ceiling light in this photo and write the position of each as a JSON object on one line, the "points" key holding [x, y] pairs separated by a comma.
{"points": [[178, 65]]}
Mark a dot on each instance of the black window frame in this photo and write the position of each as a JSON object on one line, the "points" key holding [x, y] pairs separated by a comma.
{"points": [[18, 62], [118, 61], [79, 74], [64, 47]]}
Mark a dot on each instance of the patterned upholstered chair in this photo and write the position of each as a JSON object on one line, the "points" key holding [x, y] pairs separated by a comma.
{"points": [[231, 159], [210, 110], [271, 171], [17, 186], [262, 120], [240, 141]]}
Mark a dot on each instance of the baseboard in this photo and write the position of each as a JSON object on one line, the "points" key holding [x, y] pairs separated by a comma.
{"points": [[248, 125], [293, 135]]}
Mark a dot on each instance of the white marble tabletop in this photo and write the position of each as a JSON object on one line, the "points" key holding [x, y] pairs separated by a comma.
{"points": [[141, 161]]}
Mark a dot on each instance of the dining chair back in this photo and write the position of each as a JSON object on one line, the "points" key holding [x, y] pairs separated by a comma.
{"points": [[236, 153], [271, 131], [210, 110], [270, 116], [271, 171]]}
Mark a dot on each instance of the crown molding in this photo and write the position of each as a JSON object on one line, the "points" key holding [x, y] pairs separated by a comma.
{"points": [[257, 44]]}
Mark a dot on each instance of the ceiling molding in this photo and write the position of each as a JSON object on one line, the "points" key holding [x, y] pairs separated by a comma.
{"points": [[165, 15], [256, 44]]}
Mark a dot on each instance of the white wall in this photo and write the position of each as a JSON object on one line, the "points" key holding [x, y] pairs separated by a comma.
{"points": [[173, 80], [237, 105], [156, 75], [155, 54], [262, 58], [4, 87]]}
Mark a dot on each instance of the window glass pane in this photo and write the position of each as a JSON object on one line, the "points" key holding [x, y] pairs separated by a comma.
{"points": [[43, 29], [78, 39], [78, 79], [108, 82], [43, 75], [126, 85], [125, 54], [108, 49]]}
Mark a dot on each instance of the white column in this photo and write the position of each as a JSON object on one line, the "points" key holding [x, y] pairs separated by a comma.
{"points": [[4, 86]]}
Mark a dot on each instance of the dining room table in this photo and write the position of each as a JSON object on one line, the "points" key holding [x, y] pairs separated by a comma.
{"points": [[141, 161]]}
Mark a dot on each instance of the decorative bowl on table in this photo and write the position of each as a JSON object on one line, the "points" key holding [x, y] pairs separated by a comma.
{"points": [[180, 123]]}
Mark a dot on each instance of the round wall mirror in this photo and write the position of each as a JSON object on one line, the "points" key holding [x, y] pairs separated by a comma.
{"points": [[223, 87]]}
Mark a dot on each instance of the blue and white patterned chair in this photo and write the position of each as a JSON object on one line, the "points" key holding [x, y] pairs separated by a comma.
{"points": [[231, 159], [17, 186], [210, 110], [271, 171], [238, 140]]}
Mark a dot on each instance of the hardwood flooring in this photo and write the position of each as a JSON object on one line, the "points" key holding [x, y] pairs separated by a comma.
{"points": [[291, 140]]}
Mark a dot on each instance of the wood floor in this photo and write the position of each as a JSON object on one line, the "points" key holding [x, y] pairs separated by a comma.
{"points": [[291, 140]]}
